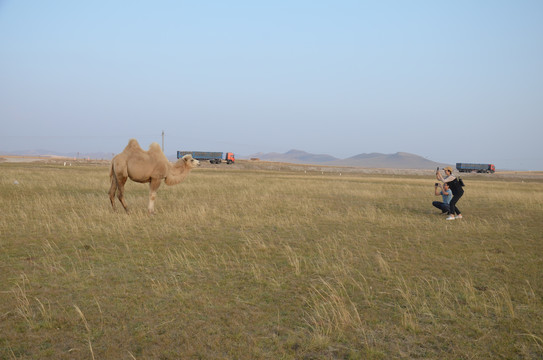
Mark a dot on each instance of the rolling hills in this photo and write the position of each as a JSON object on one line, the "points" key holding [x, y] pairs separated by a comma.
{"points": [[399, 160]]}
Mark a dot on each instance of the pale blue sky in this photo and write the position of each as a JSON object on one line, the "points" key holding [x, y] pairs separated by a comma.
{"points": [[453, 81]]}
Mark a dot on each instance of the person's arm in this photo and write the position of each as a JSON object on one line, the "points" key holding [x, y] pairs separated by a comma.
{"points": [[448, 178], [446, 192], [438, 176], [437, 189]]}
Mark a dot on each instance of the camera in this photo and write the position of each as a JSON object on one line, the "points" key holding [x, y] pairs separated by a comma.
{"points": [[436, 184]]}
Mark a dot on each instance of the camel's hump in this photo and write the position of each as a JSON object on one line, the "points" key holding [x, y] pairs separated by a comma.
{"points": [[132, 146], [155, 147], [133, 143]]}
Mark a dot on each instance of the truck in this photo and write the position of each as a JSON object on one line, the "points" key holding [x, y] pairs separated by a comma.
{"points": [[480, 168], [213, 157]]}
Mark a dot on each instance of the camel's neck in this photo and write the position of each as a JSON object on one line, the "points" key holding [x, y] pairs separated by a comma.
{"points": [[178, 172]]}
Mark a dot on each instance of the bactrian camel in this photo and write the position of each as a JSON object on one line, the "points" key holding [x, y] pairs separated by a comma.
{"points": [[142, 166]]}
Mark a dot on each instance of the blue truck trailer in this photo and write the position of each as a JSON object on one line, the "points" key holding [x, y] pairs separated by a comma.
{"points": [[479, 168], [212, 157]]}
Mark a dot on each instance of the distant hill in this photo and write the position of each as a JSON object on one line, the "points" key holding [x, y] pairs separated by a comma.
{"points": [[75, 155], [295, 157], [399, 160]]}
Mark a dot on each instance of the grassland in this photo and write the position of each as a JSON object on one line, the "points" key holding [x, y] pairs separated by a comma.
{"points": [[241, 263]]}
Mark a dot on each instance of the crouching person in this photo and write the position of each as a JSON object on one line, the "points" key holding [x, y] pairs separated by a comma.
{"points": [[447, 195]]}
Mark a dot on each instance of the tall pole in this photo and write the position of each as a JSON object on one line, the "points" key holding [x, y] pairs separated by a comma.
{"points": [[162, 140]]}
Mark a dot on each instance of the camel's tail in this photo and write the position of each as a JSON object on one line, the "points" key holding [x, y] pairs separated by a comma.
{"points": [[113, 181], [112, 173]]}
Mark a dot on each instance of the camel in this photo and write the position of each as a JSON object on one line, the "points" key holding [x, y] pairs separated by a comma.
{"points": [[146, 167]]}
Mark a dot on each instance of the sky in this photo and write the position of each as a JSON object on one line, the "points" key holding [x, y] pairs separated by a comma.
{"points": [[452, 81]]}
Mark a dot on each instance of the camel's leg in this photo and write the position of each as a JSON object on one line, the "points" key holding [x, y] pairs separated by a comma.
{"points": [[113, 190], [120, 191], [153, 187]]}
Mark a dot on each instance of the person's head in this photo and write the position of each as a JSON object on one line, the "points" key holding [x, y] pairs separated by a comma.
{"points": [[445, 186], [448, 170]]}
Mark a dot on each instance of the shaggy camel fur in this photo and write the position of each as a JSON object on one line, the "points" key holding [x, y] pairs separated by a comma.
{"points": [[146, 167]]}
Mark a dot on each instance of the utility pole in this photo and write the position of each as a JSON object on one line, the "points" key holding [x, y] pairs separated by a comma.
{"points": [[162, 140]]}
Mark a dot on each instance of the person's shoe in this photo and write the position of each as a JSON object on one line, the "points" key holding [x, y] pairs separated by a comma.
{"points": [[459, 216], [451, 217]]}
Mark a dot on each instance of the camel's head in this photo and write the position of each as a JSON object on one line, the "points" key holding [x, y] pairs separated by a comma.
{"points": [[189, 161]]}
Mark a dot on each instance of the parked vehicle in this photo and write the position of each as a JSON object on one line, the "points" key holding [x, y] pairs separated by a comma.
{"points": [[480, 168], [213, 157]]}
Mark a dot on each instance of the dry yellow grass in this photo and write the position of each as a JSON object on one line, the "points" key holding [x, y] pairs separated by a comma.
{"points": [[243, 263]]}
